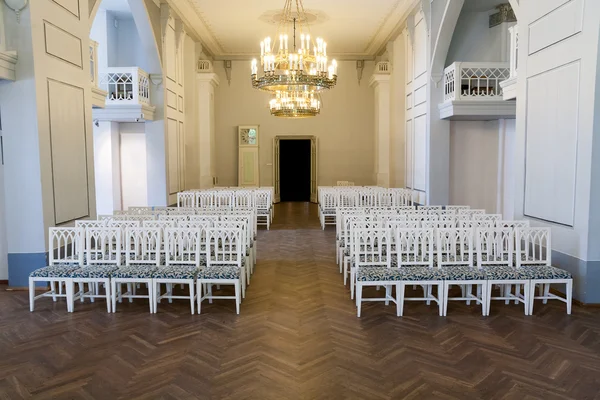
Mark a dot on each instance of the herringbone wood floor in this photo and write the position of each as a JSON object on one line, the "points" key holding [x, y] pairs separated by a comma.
{"points": [[297, 338]]}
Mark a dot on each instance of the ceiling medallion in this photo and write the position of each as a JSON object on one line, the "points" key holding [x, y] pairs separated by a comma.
{"points": [[292, 73]]}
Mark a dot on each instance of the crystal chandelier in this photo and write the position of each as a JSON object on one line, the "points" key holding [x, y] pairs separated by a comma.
{"points": [[292, 73]]}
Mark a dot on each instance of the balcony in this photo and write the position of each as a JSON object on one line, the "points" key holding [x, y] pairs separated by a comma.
{"points": [[472, 92], [509, 86], [98, 95], [127, 95]]}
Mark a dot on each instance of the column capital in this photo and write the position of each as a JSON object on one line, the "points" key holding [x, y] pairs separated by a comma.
{"points": [[378, 79], [209, 77]]}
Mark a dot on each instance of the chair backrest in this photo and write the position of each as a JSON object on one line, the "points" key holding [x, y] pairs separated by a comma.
{"points": [[438, 224], [353, 222], [455, 246], [85, 223], [175, 218], [248, 224], [143, 217], [186, 199], [205, 199], [243, 225], [457, 208], [143, 246], [414, 247], [393, 225], [123, 225], [534, 246], [224, 246], [181, 211], [468, 213], [224, 198], [513, 224], [494, 246], [103, 245], [65, 245], [195, 224], [139, 210], [487, 217], [469, 223], [371, 246], [162, 224], [182, 246], [204, 218], [262, 199], [243, 198], [430, 208]]}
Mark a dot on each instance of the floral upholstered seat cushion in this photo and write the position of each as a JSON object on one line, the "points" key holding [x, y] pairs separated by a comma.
{"points": [[421, 274], [221, 272], [95, 271], [504, 272], [176, 272], [463, 273], [546, 272], [135, 271], [54, 271], [377, 274], [328, 211], [262, 211]]}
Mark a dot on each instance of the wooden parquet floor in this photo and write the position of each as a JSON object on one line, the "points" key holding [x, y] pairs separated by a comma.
{"points": [[297, 338]]}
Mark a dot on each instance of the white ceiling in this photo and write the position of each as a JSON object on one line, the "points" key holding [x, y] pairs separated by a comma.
{"points": [[352, 28]]}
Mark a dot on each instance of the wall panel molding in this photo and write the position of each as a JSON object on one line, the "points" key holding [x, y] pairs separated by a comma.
{"points": [[72, 6], [556, 26], [63, 45], [68, 151]]}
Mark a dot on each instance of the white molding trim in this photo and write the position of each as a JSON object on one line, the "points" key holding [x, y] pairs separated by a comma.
{"points": [[8, 61], [377, 79], [124, 113], [474, 110], [509, 88], [209, 77], [98, 97]]}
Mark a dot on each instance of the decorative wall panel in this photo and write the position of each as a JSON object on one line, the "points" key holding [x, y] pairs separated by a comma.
{"points": [[420, 152], [68, 151], [556, 26], [61, 44], [71, 6], [173, 148]]}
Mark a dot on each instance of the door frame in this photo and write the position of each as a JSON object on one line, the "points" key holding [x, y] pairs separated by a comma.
{"points": [[314, 175]]}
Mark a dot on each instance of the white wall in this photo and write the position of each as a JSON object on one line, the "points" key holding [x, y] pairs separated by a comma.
{"points": [[107, 167], [344, 128], [133, 165], [474, 164], [129, 51], [3, 242]]}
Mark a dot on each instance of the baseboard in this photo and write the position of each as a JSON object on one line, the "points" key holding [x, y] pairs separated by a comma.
{"points": [[3, 281]]}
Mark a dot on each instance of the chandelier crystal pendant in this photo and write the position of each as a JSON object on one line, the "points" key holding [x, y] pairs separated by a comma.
{"points": [[291, 72]]}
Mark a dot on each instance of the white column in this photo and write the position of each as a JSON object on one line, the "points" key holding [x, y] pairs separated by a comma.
{"points": [[207, 81], [107, 167], [381, 84]]}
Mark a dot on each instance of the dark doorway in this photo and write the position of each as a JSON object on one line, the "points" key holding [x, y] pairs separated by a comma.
{"points": [[294, 170]]}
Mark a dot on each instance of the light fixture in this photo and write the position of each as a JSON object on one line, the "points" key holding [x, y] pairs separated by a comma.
{"points": [[293, 72], [295, 104]]}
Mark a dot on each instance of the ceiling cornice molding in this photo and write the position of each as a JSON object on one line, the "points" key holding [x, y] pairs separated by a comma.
{"points": [[197, 29], [390, 27]]}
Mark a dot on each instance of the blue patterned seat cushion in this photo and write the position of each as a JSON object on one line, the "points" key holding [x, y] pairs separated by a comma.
{"points": [[176, 272], [421, 274], [263, 212], [328, 211], [376, 274], [546, 272], [135, 271], [221, 272], [463, 273], [54, 271], [503, 272], [95, 271]]}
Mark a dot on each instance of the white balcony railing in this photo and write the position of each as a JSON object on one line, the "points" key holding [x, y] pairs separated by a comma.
{"points": [[474, 81], [514, 50], [125, 85], [93, 62]]}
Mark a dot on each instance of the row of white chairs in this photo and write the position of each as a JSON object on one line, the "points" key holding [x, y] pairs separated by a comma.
{"points": [[332, 198], [467, 257], [106, 255], [260, 200]]}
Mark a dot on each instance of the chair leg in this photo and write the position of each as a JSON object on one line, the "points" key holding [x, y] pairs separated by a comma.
{"points": [[199, 295], [358, 299], [469, 292], [151, 297], [113, 294], [388, 294], [107, 295], [53, 288], [399, 299], [569, 294], [531, 301], [483, 296], [69, 289], [546, 292], [446, 289], [488, 299], [237, 297], [507, 292], [209, 292], [192, 299], [526, 298], [31, 294]]}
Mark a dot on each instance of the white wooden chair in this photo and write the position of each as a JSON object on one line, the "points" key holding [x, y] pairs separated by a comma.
{"points": [[371, 248], [65, 253], [495, 256], [224, 260], [248, 225], [535, 247], [414, 248], [103, 258], [246, 256], [457, 208], [455, 256], [186, 199], [142, 260], [182, 264], [263, 203]]}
